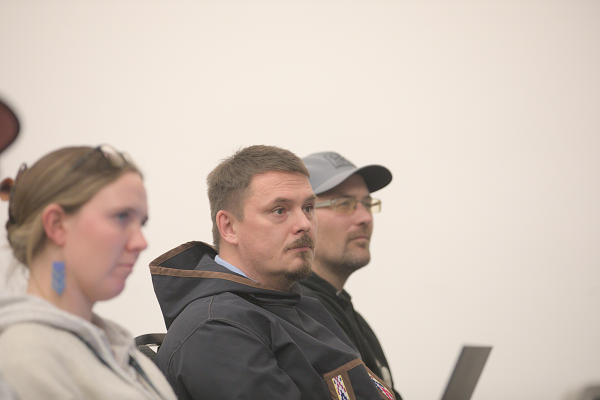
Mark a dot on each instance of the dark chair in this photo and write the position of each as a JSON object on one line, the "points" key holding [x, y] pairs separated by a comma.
{"points": [[149, 343]]}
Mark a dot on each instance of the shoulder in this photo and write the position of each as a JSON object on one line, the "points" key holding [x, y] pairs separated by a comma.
{"points": [[36, 359], [30, 336], [318, 288], [226, 308], [226, 313], [39, 344], [318, 300]]}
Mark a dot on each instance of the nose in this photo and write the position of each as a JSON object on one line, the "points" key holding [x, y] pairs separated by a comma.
{"points": [[362, 215], [304, 222], [137, 242]]}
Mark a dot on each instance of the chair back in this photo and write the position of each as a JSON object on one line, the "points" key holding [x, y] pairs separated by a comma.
{"points": [[149, 344]]}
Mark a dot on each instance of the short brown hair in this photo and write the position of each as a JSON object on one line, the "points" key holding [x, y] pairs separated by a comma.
{"points": [[228, 183], [68, 177]]}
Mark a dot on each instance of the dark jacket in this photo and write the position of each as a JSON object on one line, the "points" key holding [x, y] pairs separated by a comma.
{"points": [[339, 305], [232, 338]]}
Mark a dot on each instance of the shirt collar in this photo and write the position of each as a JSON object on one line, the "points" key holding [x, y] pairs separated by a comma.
{"points": [[230, 267]]}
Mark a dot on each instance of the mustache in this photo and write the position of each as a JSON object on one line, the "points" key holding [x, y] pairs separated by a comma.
{"points": [[361, 233], [304, 241]]}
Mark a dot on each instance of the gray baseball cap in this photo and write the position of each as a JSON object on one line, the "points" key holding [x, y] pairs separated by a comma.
{"points": [[329, 169]]}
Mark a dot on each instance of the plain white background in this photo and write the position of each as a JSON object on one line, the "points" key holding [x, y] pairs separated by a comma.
{"points": [[487, 113]]}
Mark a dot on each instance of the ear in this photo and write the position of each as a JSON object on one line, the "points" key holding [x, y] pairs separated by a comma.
{"points": [[226, 224], [53, 221]]}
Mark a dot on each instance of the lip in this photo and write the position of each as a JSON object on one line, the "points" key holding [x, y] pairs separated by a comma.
{"points": [[307, 248], [360, 237]]}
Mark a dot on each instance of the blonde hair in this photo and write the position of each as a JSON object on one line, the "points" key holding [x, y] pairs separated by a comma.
{"points": [[69, 177]]}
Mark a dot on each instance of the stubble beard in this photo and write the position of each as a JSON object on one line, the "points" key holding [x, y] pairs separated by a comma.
{"points": [[304, 269], [350, 261]]}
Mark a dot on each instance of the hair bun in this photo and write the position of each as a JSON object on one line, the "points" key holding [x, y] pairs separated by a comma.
{"points": [[5, 188]]}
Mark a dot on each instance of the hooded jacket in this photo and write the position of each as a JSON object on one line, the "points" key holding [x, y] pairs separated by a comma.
{"points": [[339, 305], [229, 337], [48, 353]]}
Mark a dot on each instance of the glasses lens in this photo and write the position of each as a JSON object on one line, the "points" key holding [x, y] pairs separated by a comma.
{"points": [[347, 205], [375, 205], [344, 205]]}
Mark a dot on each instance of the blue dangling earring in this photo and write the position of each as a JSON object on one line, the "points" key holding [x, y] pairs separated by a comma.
{"points": [[58, 276]]}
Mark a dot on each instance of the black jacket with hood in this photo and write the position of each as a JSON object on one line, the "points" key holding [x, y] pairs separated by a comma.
{"points": [[232, 338], [339, 305]]}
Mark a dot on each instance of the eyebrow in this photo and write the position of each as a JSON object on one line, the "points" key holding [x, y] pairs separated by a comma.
{"points": [[279, 200], [133, 210], [339, 195]]}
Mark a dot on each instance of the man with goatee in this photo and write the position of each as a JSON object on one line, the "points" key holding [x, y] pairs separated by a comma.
{"points": [[238, 324]]}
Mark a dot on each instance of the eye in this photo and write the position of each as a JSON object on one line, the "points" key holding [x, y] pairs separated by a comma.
{"points": [[345, 204], [309, 209], [123, 216], [278, 211]]}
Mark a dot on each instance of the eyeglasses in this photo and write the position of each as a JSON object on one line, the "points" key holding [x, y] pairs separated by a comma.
{"points": [[347, 205], [116, 158]]}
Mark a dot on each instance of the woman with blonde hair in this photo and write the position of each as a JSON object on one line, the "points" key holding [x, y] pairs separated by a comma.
{"points": [[75, 220]]}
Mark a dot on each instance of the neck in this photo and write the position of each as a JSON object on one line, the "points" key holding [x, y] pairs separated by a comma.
{"points": [[278, 283], [40, 284], [336, 280]]}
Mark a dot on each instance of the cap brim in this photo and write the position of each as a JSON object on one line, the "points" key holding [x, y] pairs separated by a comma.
{"points": [[376, 177]]}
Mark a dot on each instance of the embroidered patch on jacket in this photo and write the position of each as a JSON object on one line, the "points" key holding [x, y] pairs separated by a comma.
{"points": [[340, 388], [383, 389]]}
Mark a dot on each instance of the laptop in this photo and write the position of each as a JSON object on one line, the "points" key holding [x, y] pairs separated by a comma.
{"points": [[466, 372]]}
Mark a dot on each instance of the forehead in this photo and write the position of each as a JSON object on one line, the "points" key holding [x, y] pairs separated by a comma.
{"points": [[275, 186], [354, 186], [128, 190]]}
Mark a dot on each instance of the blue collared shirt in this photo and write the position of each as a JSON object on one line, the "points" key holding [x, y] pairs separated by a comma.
{"points": [[230, 267]]}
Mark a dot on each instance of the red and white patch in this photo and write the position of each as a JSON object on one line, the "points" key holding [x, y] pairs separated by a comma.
{"points": [[383, 389], [340, 388]]}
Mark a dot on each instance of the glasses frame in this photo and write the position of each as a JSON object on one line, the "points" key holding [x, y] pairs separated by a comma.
{"points": [[113, 156], [374, 206]]}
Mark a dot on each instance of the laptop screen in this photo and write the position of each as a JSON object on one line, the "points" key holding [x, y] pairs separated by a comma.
{"points": [[466, 373]]}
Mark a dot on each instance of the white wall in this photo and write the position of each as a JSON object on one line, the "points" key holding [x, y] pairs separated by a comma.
{"points": [[487, 113]]}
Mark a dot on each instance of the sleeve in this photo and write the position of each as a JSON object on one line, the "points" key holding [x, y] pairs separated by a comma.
{"points": [[225, 360]]}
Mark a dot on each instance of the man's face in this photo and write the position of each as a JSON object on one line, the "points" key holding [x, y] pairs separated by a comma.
{"points": [[343, 240], [277, 234]]}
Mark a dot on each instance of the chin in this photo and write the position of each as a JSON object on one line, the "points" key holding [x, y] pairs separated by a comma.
{"points": [[301, 272], [356, 262], [114, 291]]}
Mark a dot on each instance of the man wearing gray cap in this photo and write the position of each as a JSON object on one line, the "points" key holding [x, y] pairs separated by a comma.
{"points": [[345, 213]]}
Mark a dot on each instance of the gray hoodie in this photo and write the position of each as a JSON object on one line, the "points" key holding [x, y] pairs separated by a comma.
{"points": [[46, 352]]}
